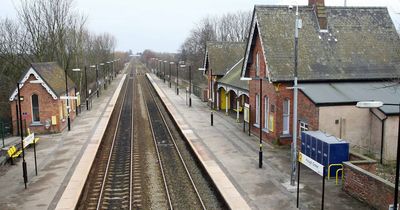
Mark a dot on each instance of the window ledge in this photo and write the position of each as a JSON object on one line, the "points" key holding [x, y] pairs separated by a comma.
{"points": [[287, 135], [265, 130], [256, 125], [36, 124]]}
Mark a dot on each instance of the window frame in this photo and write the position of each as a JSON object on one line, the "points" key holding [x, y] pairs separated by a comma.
{"points": [[35, 108], [286, 116]]}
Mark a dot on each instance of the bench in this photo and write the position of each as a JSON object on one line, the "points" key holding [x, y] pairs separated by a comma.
{"points": [[13, 153], [240, 109]]}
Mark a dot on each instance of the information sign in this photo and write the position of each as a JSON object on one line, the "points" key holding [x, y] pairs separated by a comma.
{"points": [[312, 164]]}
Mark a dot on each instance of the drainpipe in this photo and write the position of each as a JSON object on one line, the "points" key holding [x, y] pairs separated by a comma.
{"points": [[382, 134]]}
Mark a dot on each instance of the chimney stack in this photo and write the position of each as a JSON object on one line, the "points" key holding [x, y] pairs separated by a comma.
{"points": [[320, 12]]}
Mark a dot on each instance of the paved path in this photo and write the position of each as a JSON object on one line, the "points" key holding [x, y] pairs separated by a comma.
{"points": [[57, 157], [236, 154]]}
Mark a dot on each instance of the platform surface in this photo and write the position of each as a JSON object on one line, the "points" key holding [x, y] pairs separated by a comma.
{"points": [[58, 156], [231, 156]]}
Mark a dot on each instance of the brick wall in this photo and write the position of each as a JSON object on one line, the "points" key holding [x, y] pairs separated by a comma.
{"points": [[360, 182], [48, 107], [277, 93]]}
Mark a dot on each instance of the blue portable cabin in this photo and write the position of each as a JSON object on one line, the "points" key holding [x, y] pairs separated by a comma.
{"points": [[324, 148]]}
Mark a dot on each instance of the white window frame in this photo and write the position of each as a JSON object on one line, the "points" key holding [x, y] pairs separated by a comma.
{"points": [[33, 116], [303, 127], [257, 65], [257, 123], [286, 117], [266, 113]]}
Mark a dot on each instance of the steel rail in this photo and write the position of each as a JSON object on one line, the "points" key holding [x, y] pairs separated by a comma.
{"points": [[111, 153], [175, 146]]}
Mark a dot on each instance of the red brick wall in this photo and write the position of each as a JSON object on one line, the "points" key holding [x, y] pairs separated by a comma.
{"points": [[367, 187], [48, 107], [277, 93]]}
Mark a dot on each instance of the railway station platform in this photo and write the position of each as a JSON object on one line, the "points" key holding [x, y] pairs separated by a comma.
{"points": [[58, 157], [230, 156]]}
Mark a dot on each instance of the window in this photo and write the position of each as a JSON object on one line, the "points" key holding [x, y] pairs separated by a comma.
{"points": [[303, 127], [286, 116], [257, 109], [266, 112], [35, 108], [257, 65]]}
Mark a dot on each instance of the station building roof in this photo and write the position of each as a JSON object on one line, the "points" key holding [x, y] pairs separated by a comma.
{"points": [[349, 93], [360, 43]]}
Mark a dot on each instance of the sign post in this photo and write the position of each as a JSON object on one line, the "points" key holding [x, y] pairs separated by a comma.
{"points": [[317, 168]]}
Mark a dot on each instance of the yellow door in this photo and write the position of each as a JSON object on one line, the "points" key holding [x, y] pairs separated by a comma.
{"points": [[224, 103]]}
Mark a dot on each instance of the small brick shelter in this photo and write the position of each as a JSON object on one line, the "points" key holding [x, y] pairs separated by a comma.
{"points": [[42, 109]]}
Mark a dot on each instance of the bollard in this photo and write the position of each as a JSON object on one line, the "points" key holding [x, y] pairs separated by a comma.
{"points": [[212, 119]]}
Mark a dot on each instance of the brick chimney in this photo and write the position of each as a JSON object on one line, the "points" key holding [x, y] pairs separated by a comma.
{"points": [[320, 12]]}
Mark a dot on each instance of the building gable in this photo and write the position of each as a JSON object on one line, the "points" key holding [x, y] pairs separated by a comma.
{"points": [[32, 71], [358, 44], [254, 37]]}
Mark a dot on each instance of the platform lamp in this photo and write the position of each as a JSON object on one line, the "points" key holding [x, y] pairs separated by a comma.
{"points": [[34, 142], [76, 94], [24, 172], [170, 63], [104, 76], [377, 104], [97, 79], [260, 153], [164, 62], [190, 83], [177, 79], [66, 95], [108, 72]]}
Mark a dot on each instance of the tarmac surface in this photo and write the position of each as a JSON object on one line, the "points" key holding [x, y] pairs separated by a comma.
{"points": [[234, 152]]}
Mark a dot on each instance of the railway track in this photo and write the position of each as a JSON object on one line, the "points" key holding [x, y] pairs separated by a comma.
{"points": [[176, 175], [112, 181], [142, 162]]}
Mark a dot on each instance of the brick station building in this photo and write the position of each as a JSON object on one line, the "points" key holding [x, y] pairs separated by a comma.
{"points": [[336, 45], [42, 109]]}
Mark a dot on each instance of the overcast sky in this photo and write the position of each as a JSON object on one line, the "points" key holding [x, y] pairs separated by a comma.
{"points": [[163, 25]]}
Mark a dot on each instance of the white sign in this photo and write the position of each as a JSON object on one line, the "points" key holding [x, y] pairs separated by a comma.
{"points": [[68, 97], [312, 164], [29, 139]]}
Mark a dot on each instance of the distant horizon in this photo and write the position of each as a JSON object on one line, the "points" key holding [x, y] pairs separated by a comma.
{"points": [[162, 26]]}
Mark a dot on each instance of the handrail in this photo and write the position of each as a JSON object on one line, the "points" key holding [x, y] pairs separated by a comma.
{"points": [[337, 173], [329, 168]]}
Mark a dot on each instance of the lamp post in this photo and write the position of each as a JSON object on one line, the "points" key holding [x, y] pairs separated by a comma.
{"points": [[24, 172], [76, 104], [104, 76], [97, 79], [190, 83], [377, 104], [34, 142], [297, 26], [86, 91], [177, 79], [170, 63], [66, 94], [164, 69], [108, 72], [260, 153]]}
